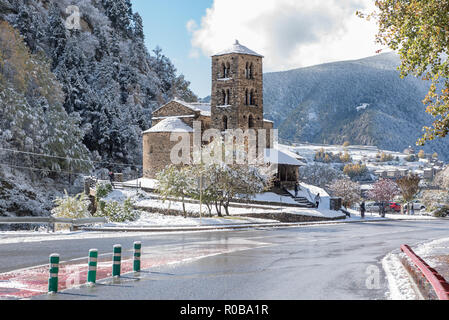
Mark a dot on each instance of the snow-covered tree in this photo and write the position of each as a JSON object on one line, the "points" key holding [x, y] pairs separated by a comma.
{"points": [[384, 191], [434, 199], [319, 174], [346, 189], [175, 182], [442, 179], [31, 114]]}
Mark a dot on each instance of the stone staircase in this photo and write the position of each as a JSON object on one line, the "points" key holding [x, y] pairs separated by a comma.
{"points": [[302, 202]]}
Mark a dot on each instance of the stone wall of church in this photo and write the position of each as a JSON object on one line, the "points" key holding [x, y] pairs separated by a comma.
{"points": [[157, 149], [268, 126]]}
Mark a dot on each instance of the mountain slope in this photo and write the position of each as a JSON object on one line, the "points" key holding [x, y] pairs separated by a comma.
{"points": [[361, 101]]}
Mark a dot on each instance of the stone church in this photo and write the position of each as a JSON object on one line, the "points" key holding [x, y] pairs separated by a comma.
{"points": [[236, 103]]}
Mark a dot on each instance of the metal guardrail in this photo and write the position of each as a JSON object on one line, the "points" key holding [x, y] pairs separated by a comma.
{"points": [[439, 284], [50, 221]]}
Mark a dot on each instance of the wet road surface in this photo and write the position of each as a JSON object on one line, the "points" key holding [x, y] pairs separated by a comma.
{"points": [[314, 262]]}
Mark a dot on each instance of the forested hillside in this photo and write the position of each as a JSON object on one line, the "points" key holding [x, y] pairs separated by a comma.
{"points": [[362, 101], [81, 96]]}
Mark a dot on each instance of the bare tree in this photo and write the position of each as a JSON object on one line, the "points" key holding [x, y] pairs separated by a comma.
{"points": [[409, 188]]}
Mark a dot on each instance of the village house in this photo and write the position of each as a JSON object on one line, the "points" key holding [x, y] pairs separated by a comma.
{"points": [[236, 103]]}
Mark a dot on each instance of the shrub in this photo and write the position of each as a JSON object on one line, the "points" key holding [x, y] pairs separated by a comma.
{"points": [[441, 211], [116, 212], [345, 158], [355, 170], [346, 144], [435, 199], [421, 154], [384, 157], [411, 158], [76, 207], [103, 189]]}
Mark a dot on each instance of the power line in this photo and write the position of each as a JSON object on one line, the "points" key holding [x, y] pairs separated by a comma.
{"points": [[41, 170], [71, 159]]}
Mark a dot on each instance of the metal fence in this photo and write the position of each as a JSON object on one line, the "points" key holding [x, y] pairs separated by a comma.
{"points": [[51, 221]]}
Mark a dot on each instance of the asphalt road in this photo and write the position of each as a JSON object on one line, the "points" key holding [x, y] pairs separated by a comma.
{"points": [[316, 262]]}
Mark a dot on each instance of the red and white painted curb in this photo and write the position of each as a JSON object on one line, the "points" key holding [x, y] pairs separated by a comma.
{"points": [[439, 284]]}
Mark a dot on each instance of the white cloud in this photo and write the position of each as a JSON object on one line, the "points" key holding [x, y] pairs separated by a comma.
{"points": [[289, 33]]}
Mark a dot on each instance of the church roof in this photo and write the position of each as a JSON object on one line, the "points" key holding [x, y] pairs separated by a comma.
{"points": [[276, 156], [171, 124], [203, 108], [238, 48]]}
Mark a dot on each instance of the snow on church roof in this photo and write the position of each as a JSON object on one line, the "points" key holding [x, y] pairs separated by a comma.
{"points": [[203, 108], [276, 156], [171, 124], [238, 48]]}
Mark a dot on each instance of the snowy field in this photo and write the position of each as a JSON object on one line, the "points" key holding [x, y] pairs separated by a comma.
{"points": [[357, 153]]}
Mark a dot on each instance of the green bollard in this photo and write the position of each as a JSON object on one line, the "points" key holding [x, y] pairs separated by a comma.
{"points": [[117, 258], [137, 255], [54, 270], [92, 272]]}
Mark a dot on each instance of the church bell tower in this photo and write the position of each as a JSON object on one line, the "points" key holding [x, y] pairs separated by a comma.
{"points": [[237, 89]]}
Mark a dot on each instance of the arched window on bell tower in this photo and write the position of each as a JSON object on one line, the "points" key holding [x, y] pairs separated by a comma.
{"points": [[226, 97], [251, 98], [226, 70], [249, 70], [223, 70], [246, 97]]}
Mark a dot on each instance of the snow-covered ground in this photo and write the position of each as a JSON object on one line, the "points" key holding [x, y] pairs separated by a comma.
{"points": [[399, 281], [375, 215], [150, 200], [159, 220], [431, 252]]}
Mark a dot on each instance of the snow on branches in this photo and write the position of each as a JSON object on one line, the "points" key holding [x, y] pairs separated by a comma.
{"points": [[384, 190], [346, 189]]}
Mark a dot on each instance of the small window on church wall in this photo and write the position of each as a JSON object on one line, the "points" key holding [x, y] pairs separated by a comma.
{"points": [[151, 149]]}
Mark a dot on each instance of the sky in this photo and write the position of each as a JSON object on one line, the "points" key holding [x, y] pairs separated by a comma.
{"points": [[289, 33]]}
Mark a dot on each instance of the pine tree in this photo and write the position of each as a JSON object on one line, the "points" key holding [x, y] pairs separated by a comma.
{"points": [[57, 34]]}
